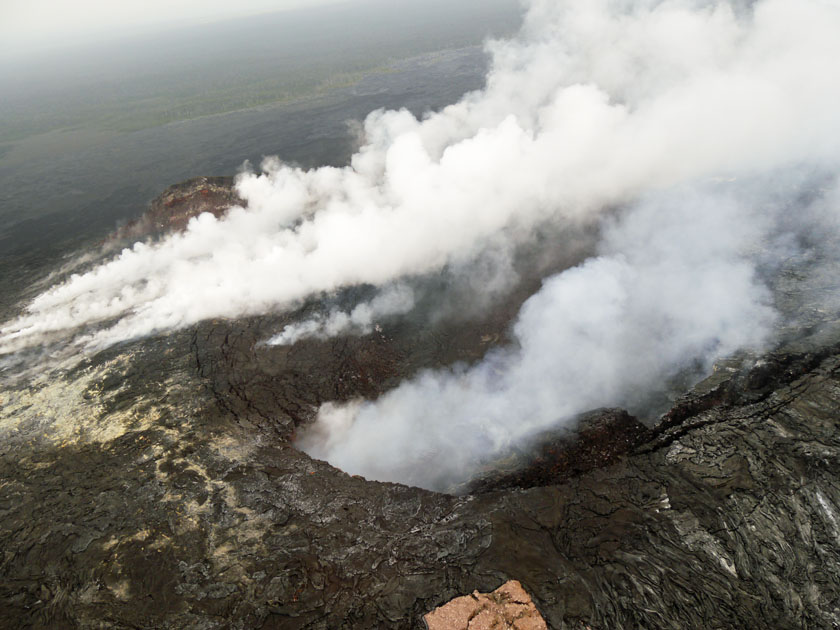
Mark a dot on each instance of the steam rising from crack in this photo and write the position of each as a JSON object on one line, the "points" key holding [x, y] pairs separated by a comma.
{"points": [[636, 107], [395, 300], [676, 285]]}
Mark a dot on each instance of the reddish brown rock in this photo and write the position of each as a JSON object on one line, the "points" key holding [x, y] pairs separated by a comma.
{"points": [[172, 210], [509, 607]]}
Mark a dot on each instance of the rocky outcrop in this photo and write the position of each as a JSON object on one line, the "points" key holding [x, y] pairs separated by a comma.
{"points": [[173, 209], [591, 441], [509, 607]]}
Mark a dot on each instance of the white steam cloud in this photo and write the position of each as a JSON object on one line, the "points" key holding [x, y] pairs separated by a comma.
{"points": [[675, 284], [595, 102], [395, 300], [636, 107]]}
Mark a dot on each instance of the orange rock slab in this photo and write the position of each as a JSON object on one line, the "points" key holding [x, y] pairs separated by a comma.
{"points": [[509, 607]]}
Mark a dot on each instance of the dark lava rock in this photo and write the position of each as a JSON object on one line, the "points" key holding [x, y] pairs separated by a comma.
{"points": [[591, 441], [155, 486], [191, 516]]}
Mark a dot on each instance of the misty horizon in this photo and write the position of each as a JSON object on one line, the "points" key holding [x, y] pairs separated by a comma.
{"points": [[127, 41], [87, 141], [51, 26]]}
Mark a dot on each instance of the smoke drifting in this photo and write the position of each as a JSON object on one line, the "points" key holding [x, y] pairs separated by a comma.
{"points": [[594, 103], [395, 300], [674, 287], [644, 107]]}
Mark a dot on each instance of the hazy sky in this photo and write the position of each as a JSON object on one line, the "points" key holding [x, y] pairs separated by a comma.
{"points": [[28, 26]]}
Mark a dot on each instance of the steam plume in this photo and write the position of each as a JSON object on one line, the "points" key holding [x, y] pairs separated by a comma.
{"points": [[676, 285], [396, 300], [637, 107], [593, 103]]}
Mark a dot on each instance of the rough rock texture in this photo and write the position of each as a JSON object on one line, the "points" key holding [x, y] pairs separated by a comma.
{"points": [[509, 607], [189, 515], [174, 207], [594, 440], [154, 486]]}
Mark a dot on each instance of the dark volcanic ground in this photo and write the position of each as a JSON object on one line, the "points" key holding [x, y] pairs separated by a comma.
{"points": [[154, 486]]}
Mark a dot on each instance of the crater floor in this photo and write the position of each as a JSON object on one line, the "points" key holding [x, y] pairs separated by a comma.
{"points": [[155, 486]]}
